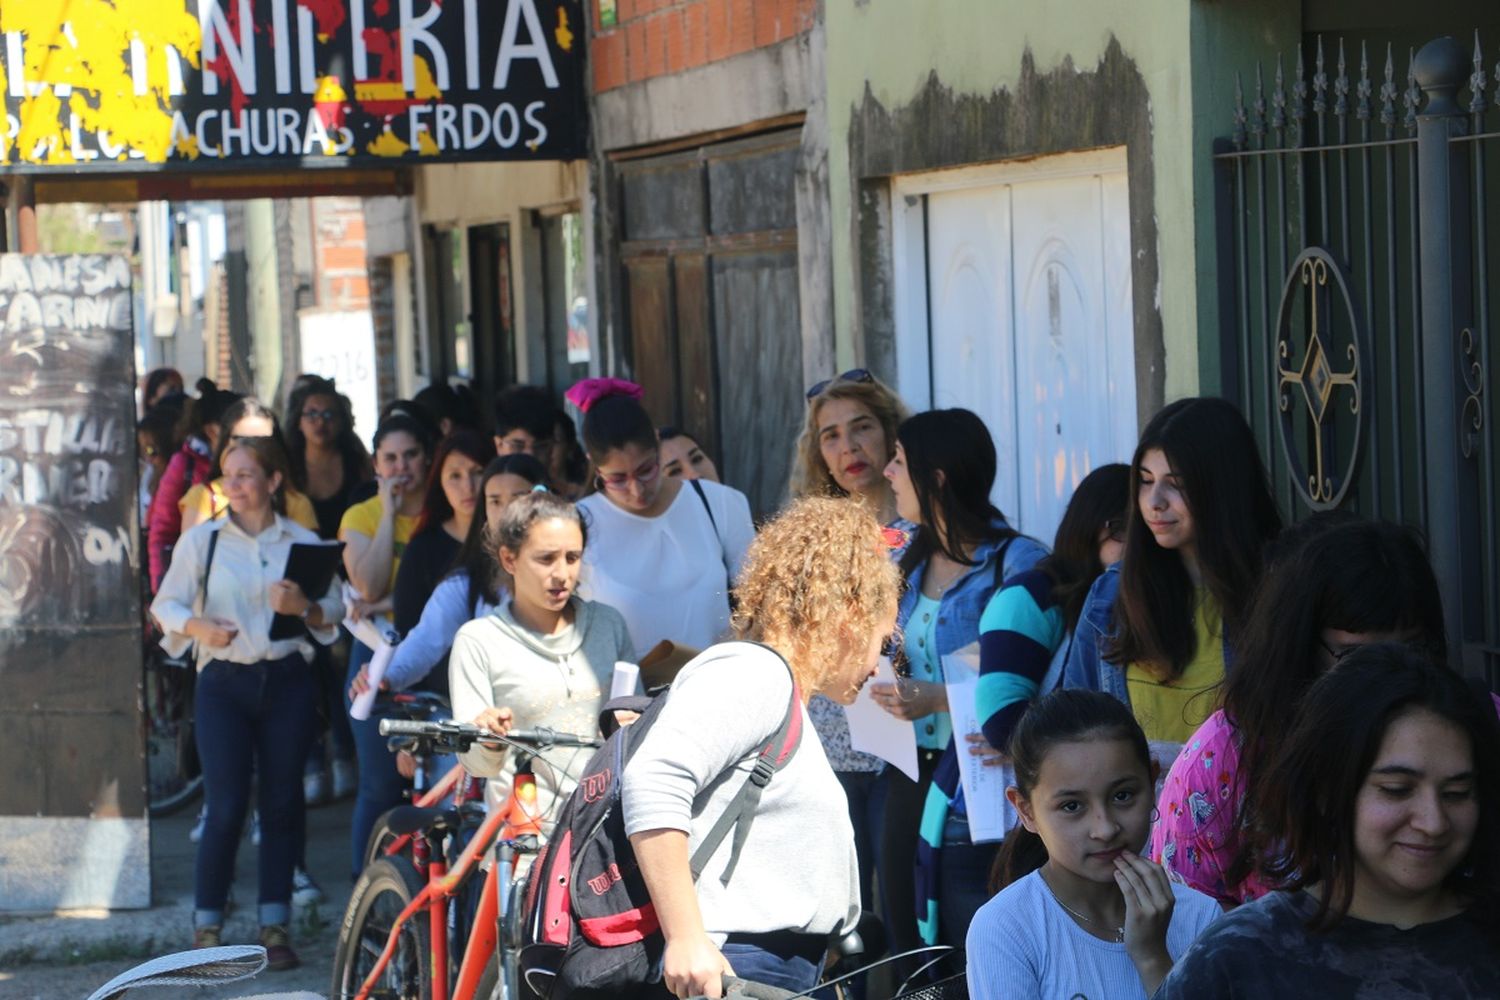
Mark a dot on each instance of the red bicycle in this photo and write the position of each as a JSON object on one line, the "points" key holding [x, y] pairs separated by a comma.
{"points": [[407, 912]]}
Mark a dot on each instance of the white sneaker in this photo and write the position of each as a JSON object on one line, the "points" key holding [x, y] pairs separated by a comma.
{"points": [[314, 788], [196, 833], [345, 779], [305, 892]]}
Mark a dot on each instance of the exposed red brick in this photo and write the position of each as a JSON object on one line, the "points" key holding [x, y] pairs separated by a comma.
{"points": [[676, 41], [625, 10], [767, 18], [608, 58], [656, 43], [695, 33], [635, 51], [718, 29], [341, 256], [807, 14], [741, 26]]}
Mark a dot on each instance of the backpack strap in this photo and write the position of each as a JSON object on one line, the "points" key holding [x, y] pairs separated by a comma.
{"points": [[740, 813], [208, 566], [723, 555]]}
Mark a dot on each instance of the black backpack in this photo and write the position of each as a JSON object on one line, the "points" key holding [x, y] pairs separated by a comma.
{"points": [[588, 927]]}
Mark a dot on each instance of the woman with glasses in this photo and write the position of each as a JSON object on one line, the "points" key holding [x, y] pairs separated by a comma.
{"points": [[1329, 589], [1023, 636], [328, 459], [961, 548], [663, 552], [847, 439]]}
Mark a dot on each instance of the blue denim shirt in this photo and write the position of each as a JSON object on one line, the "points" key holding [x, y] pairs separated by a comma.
{"points": [[1085, 666], [964, 601]]}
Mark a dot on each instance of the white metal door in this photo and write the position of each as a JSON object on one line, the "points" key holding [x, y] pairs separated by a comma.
{"points": [[972, 351]]}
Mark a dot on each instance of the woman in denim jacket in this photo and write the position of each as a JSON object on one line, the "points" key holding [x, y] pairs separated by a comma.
{"points": [[1155, 629], [959, 548]]}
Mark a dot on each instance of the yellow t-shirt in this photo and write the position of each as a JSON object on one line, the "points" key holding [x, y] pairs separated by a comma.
{"points": [[210, 502], [1171, 712], [364, 517]]}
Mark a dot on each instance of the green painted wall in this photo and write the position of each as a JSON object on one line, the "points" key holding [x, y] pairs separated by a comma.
{"points": [[976, 47]]}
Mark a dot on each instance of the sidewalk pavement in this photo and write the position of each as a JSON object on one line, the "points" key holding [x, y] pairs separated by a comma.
{"points": [[70, 954]]}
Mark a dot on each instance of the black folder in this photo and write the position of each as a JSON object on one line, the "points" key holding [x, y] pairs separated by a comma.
{"points": [[311, 566]]}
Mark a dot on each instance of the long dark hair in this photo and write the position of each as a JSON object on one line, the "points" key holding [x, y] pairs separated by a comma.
{"points": [[615, 422], [1069, 715], [1303, 803], [436, 509], [1103, 497], [249, 406], [207, 408], [356, 459], [1359, 576], [474, 557], [1211, 449], [950, 458]]}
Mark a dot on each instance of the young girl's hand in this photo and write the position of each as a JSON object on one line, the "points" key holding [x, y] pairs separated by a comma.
{"points": [[1148, 912]]}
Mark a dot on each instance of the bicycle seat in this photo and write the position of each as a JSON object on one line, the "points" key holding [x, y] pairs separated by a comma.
{"points": [[404, 820], [866, 938]]}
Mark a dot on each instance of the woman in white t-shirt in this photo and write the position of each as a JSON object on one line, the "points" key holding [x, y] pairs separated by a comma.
{"points": [[662, 551]]}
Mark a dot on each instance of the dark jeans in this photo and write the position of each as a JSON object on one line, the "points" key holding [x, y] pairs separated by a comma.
{"points": [[256, 717], [963, 887], [331, 708], [898, 855], [763, 958], [380, 784]]}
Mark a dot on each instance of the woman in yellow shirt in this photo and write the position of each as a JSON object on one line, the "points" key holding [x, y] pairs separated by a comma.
{"points": [[1153, 629]]}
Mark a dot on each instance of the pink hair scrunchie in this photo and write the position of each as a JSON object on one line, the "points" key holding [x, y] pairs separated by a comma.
{"points": [[586, 393]]}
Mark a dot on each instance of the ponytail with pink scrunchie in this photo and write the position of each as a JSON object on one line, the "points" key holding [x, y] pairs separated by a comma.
{"points": [[586, 393]]}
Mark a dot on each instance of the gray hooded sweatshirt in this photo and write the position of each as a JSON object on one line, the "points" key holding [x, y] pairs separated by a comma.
{"points": [[559, 681]]}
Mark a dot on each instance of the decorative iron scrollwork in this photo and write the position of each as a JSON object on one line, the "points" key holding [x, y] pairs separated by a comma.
{"points": [[1471, 417], [1314, 380]]}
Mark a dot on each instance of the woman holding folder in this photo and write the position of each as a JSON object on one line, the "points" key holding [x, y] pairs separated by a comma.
{"points": [[256, 697]]}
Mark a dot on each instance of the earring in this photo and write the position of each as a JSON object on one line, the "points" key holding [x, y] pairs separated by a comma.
{"points": [[1155, 815]]}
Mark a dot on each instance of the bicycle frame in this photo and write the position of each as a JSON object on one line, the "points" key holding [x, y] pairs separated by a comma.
{"points": [[441, 886], [431, 797]]}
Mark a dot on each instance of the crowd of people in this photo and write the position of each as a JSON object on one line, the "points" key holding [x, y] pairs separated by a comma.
{"points": [[1237, 758]]}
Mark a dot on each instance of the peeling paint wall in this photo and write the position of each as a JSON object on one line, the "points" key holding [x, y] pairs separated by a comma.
{"points": [[918, 87]]}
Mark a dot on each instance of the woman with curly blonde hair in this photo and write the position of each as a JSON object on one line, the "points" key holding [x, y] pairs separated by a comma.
{"points": [[817, 598], [847, 440]]}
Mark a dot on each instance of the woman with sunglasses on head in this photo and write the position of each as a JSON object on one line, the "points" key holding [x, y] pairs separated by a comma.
{"points": [[1331, 586], [961, 548], [1376, 817], [248, 417], [1023, 637], [1154, 630], [847, 440], [375, 533], [664, 551], [328, 459]]}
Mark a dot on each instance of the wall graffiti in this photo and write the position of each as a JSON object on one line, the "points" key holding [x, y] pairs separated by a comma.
{"points": [[121, 84], [68, 550]]}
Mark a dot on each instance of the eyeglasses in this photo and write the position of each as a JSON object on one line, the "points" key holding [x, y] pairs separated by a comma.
{"points": [[620, 481], [852, 375], [327, 416]]}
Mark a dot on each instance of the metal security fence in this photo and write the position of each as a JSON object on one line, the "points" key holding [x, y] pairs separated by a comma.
{"points": [[1357, 222]]}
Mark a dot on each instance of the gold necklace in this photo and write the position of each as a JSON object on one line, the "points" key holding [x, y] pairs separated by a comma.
{"points": [[1118, 932]]}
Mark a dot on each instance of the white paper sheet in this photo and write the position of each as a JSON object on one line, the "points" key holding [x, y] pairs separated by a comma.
{"points": [[627, 676], [381, 636], [873, 730], [990, 814]]}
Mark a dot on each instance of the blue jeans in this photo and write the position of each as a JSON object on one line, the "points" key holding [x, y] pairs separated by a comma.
{"points": [[325, 666], [963, 881], [256, 717], [790, 972], [380, 784]]}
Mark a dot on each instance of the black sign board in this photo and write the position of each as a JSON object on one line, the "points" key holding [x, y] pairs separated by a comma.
{"points": [[100, 85], [70, 619]]}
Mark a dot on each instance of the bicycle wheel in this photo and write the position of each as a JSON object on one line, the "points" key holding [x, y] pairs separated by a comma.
{"points": [[384, 889], [174, 775]]}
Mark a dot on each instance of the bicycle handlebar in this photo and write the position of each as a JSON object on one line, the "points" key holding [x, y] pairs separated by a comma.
{"points": [[463, 734]]}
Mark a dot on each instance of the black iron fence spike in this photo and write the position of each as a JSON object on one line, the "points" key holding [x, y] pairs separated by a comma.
{"points": [[1411, 98], [1364, 89], [1388, 94], [1237, 136], [1341, 87], [1319, 82], [1278, 98], [1258, 106], [1478, 81], [1299, 90]]}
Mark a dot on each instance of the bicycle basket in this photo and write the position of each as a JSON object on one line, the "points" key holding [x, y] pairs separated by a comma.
{"points": [[952, 988]]}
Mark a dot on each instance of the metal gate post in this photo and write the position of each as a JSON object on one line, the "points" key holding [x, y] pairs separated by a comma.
{"points": [[1451, 484]]}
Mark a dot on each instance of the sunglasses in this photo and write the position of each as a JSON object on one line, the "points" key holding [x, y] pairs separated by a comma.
{"points": [[327, 416], [852, 375]]}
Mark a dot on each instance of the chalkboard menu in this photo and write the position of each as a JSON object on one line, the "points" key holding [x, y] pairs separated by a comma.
{"points": [[70, 625]]}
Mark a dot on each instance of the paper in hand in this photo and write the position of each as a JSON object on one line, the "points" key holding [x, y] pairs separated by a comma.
{"points": [[875, 731], [990, 813]]}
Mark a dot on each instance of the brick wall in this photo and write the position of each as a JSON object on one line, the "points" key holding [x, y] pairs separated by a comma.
{"points": [[339, 253], [653, 38]]}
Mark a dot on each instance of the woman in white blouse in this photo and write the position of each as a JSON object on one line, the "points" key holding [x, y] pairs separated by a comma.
{"points": [[256, 697], [662, 551]]}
